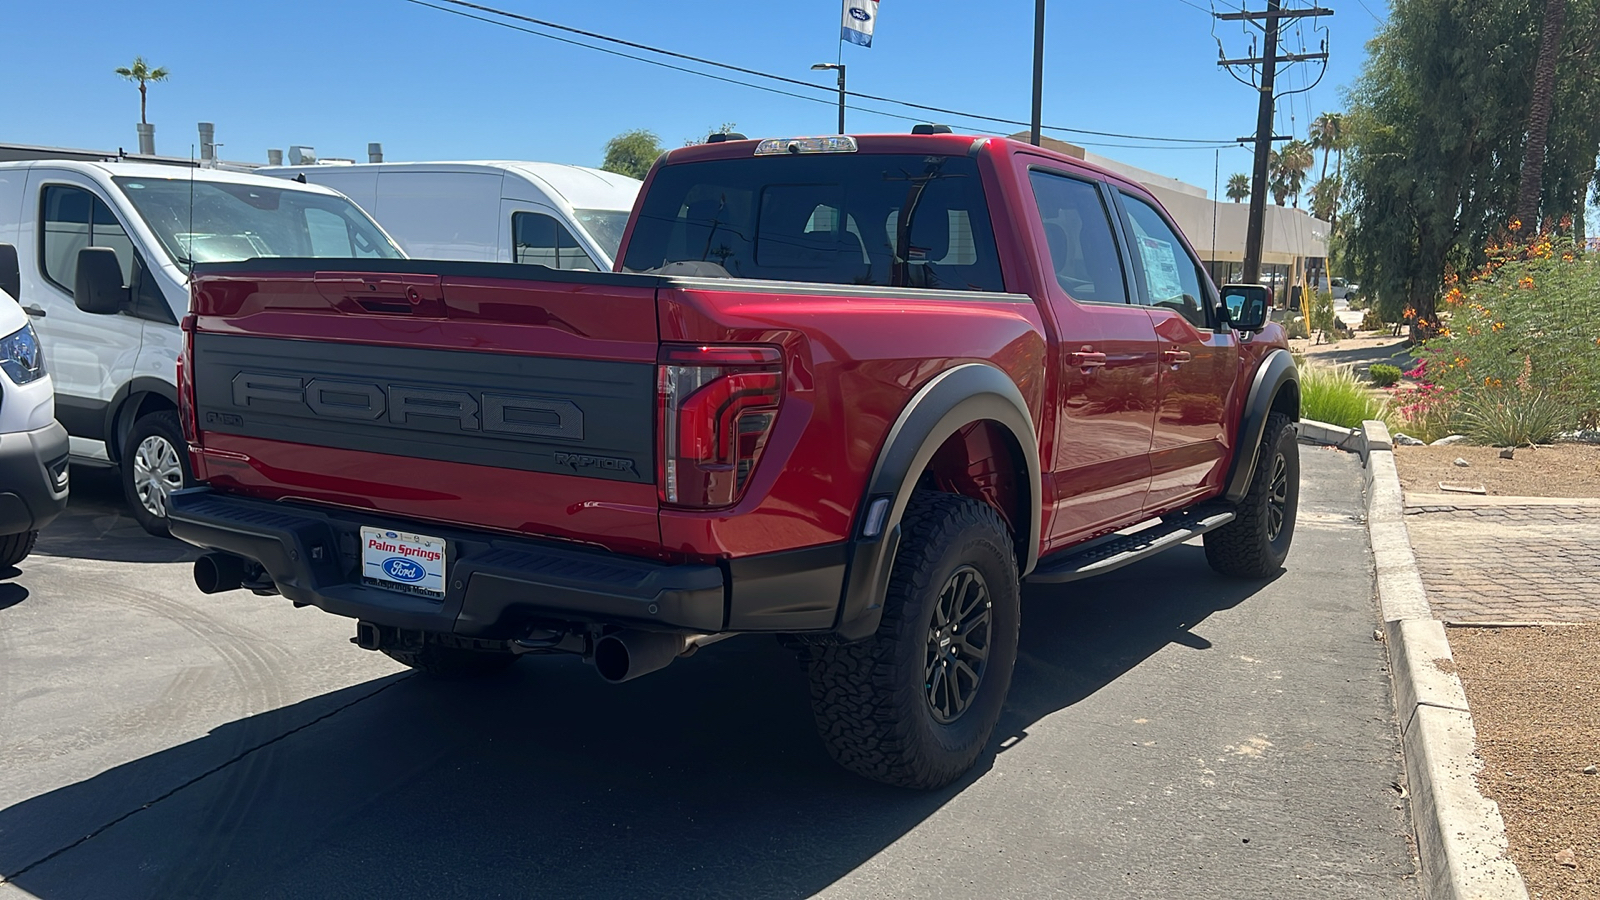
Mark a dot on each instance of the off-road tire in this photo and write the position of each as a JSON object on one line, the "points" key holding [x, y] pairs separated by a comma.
{"points": [[452, 662], [14, 548], [871, 697], [1246, 547], [163, 425]]}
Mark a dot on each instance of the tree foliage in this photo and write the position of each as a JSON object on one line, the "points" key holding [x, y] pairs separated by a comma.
{"points": [[1438, 130], [1238, 186], [632, 153], [142, 73]]}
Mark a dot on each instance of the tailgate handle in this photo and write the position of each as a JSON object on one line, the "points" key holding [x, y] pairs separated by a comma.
{"points": [[383, 293]]}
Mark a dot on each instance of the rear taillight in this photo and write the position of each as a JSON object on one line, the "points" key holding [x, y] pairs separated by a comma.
{"points": [[717, 404], [186, 405]]}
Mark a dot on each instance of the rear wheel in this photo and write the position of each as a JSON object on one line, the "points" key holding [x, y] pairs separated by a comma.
{"points": [[915, 704], [1256, 542], [155, 462], [14, 548]]}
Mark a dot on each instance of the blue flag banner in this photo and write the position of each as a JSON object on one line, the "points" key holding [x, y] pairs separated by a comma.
{"points": [[859, 18]]}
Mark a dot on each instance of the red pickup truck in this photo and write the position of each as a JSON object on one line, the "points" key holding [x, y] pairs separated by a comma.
{"points": [[850, 391]]}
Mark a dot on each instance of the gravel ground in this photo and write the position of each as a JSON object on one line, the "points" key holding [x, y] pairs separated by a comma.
{"points": [[1558, 470], [1532, 693]]}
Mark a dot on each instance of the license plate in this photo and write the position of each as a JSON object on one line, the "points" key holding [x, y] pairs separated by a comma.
{"points": [[399, 561]]}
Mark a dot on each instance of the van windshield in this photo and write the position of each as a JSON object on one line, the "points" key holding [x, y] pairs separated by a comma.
{"points": [[605, 226], [866, 219], [218, 221]]}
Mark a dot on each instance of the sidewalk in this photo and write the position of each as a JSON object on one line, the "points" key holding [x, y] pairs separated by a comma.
{"points": [[1492, 562]]}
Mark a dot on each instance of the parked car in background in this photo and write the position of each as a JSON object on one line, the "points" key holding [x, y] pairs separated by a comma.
{"points": [[104, 252], [33, 446], [560, 216]]}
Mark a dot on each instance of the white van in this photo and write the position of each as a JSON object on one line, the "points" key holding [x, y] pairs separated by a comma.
{"points": [[104, 252], [33, 446], [564, 217]]}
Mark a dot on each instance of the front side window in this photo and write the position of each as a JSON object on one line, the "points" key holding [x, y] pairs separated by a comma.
{"points": [[74, 218], [605, 227], [540, 240], [221, 221], [868, 219], [1077, 229], [1171, 278]]}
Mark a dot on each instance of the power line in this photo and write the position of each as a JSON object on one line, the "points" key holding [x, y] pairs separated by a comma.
{"points": [[779, 78]]}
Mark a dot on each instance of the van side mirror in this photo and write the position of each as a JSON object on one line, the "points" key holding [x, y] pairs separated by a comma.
{"points": [[1247, 305], [10, 272], [98, 286]]}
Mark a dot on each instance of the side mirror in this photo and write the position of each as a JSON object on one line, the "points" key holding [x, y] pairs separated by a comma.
{"points": [[1247, 305], [10, 272], [98, 286]]}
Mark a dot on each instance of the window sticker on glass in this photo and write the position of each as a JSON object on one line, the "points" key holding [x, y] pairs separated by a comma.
{"points": [[1160, 268]]}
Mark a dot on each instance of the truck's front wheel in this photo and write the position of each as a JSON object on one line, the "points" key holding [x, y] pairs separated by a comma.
{"points": [[1256, 542], [914, 704]]}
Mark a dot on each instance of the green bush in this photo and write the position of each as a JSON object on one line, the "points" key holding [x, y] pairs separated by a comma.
{"points": [[1425, 412], [1336, 396], [1373, 321], [1384, 375], [1355, 302], [1512, 417], [1295, 328], [1321, 317], [1531, 320]]}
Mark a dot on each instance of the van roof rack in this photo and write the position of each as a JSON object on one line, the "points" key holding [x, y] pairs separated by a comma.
{"points": [[929, 128]]}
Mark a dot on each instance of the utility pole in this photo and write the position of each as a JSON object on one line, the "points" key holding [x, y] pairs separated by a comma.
{"points": [[840, 67], [1269, 60], [1038, 69]]}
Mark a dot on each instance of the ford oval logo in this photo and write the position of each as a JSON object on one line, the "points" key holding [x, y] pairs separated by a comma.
{"points": [[403, 569], [860, 15]]}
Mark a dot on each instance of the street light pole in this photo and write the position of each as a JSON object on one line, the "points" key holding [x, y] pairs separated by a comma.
{"points": [[840, 67], [1038, 69]]}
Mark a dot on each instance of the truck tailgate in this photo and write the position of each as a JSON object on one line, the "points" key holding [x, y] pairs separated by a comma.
{"points": [[491, 396]]}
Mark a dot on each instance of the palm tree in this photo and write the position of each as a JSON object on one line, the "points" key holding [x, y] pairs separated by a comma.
{"points": [[1325, 198], [1544, 78], [141, 72], [1238, 186], [1327, 135], [1293, 161]]}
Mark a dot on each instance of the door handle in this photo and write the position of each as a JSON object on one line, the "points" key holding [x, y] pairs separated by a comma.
{"points": [[1087, 359], [1176, 358], [35, 310]]}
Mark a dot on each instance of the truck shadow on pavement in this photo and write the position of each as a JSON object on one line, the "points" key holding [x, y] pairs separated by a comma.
{"points": [[704, 780], [98, 525]]}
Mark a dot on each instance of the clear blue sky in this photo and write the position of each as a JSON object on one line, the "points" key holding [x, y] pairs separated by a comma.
{"points": [[336, 74]]}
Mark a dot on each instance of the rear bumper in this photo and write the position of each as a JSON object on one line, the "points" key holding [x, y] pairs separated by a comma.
{"points": [[33, 478], [500, 587]]}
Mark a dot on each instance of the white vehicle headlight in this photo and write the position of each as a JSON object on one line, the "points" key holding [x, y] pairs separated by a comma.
{"points": [[21, 357]]}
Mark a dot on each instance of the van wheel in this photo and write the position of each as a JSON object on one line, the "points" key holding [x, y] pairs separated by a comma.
{"points": [[1256, 542], [14, 548], [914, 705], [155, 462]]}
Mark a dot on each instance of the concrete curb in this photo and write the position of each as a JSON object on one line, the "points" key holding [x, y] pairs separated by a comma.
{"points": [[1461, 838]]}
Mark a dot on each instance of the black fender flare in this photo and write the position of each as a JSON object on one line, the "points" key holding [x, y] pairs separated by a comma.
{"points": [[129, 397], [1272, 375], [953, 399]]}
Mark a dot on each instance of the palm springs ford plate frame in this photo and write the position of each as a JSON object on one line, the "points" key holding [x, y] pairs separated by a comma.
{"points": [[399, 561]]}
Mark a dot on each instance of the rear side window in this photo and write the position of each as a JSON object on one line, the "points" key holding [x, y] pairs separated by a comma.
{"points": [[540, 240], [74, 219], [1077, 229], [867, 219]]}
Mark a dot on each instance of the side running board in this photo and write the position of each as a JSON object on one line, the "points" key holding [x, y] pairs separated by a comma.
{"points": [[1115, 551]]}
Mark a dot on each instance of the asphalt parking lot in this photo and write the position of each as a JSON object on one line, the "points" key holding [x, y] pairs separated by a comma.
{"points": [[1170, 733]]}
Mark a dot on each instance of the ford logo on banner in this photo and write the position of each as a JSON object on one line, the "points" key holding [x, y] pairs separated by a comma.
{"points": [[860, 15], [403, 569]]}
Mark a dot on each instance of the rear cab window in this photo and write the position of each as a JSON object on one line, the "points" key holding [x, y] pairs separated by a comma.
{"points": [[891, 220]]}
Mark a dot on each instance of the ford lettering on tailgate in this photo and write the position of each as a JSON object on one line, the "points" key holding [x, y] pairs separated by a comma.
{"points": [[563, 416]]}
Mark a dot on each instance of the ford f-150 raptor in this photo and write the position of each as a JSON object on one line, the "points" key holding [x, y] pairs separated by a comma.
{"points": [[851, 391]]}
